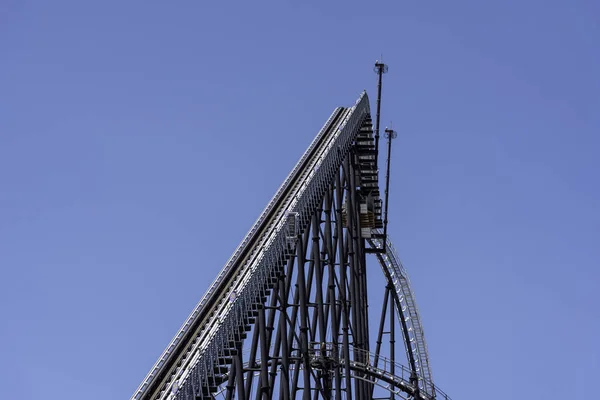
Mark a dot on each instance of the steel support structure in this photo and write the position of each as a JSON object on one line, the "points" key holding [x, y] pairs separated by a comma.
{"points": [[316, 312], [288, 316]]}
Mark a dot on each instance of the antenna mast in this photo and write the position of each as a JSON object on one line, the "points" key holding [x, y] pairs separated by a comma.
{"points": [[389, 134], [380, 68]]}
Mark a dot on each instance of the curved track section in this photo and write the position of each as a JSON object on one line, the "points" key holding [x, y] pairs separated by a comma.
{"points": [[205, 337], [394, 382], [395, 272], [397, 382]]}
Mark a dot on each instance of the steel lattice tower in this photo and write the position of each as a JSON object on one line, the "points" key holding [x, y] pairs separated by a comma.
{"points": [[288, 315]]}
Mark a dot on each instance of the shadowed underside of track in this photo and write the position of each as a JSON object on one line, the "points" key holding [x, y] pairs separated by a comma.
{"points": [[295, 293]]}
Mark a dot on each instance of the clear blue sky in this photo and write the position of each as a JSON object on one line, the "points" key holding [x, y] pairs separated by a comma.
{"points": [[139, 140]]}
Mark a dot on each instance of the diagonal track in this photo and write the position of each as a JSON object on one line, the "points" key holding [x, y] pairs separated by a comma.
{"points": [[202, 337]]}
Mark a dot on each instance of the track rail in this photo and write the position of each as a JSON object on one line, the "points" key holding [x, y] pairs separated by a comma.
{"points": [[197, 343], [395, 272]]}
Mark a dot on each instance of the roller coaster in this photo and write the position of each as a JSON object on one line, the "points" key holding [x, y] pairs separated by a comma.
{"points": [[288, 315]]}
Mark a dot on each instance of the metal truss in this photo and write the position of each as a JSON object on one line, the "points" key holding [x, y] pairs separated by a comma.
{"points": [[288, 315]]}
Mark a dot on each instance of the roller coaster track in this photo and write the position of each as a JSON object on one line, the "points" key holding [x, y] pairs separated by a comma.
{"points": [[397, 382], [407, 310], [300, 272]]}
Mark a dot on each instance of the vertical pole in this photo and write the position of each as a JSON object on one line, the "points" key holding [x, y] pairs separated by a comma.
{"points": [[300, 303], [231, 382], [264, 353], [351, 239], [381, 326], [392, 338], [284, 292], [251, 363], [342, 257], [364, 291], [270, 327], [319, 272], [380, 69], [239, 377], [390, 134], [329, 197], [306, 391], [284, 382]]}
